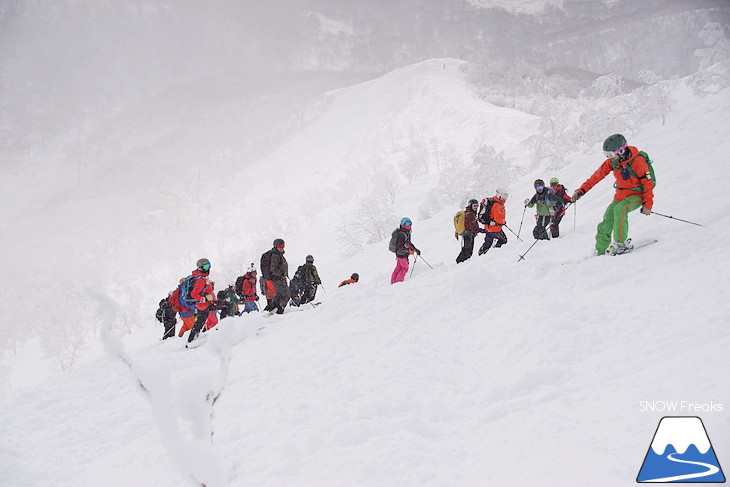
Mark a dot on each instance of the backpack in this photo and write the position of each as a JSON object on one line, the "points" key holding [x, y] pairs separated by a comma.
{"points": [[160, 314], [239, 285], [649, 163], [485, 209], [266, 264], [460, 222], [174, 300], [393, 240], [301, 274], [180, 297]]}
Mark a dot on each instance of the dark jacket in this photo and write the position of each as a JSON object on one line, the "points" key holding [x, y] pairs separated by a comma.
{"points": [[470, 221], [403, 245], [562, 195], [279, 267]]}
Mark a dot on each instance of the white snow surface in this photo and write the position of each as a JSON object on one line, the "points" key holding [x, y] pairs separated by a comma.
{"points": [[491, 372]]}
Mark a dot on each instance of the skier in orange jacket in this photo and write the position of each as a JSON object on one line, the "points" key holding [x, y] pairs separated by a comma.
{"points": [[634, 189]]}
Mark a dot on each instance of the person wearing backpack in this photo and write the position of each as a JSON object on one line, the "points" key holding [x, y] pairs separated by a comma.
{"points": [[497, 218], [203, 295], [352, 280], [634, 189], [303, 286], [471, 229], [275, 272], [562, 200], [167, 316], [228, 302], [403, 247], [545, 200], [247, 290], [187, 313]]}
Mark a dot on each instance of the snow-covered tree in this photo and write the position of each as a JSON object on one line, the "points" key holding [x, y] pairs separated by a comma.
{"points": [[718, 46]]}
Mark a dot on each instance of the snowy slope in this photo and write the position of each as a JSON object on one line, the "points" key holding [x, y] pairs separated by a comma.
{"points": [[490, 372]]}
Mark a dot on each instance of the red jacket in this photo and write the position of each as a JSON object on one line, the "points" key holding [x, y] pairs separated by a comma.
{"points": [[249, 288], [497, 215], [626, 186], [347, 282], [201, 289]]}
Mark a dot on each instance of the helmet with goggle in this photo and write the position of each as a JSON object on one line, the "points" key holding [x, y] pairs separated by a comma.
{"points": [[614, 145]]}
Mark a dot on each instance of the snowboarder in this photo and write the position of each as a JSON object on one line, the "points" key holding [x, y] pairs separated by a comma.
{"points": [[634, 189], [352, 280], [562, 200], [204, 295], [403, 247], [471, 229], [497, 218], [275, 272], [545, 200], [248, 290]]}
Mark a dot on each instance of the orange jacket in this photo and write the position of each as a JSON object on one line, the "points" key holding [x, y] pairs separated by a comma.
{"points": [[626, 183], [497, 215], [347, 282]]}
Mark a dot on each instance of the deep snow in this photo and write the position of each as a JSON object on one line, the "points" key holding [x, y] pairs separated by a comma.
{"points": [[490, 372]]}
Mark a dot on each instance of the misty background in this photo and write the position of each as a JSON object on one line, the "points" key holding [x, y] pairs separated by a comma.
{"points": [[121, 119]]}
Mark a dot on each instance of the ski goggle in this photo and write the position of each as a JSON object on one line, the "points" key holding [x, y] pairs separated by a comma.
{"points": [[539, 188], [614, 153], [205, 267]]}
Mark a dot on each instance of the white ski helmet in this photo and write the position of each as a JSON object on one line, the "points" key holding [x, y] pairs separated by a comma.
{"points": [[502, 194]]}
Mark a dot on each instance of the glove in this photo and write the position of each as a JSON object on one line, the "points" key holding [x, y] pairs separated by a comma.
{"points": [[256, 298], [418, 252], [577, 195], [456, 236], [527, 201], [645, 211], [208, 297]]}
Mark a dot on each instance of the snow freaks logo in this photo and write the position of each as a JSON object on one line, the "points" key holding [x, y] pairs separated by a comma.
{"points": [[681, 452]]}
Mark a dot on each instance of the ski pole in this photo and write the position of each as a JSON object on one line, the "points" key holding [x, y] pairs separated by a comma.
{"points": [[415, 259], [522, 257], [678, 219], [521, 220], [575, 210], [424, 261], [322, 286], [513, 233]]}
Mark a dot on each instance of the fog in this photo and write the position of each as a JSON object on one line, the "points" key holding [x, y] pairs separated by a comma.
{"points": [[114, 114]]}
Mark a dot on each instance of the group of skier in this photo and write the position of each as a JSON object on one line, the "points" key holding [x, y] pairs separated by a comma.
{"points": [[634, 188], [196, 303]]}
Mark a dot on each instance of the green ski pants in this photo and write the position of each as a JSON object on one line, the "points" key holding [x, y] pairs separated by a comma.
{"points": [[616, 222]]}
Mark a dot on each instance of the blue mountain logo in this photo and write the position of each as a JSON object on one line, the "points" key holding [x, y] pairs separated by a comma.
{"points": [[681, 452]]}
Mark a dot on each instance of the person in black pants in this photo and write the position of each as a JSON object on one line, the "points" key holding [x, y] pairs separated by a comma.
{"points": [[472, 229]]}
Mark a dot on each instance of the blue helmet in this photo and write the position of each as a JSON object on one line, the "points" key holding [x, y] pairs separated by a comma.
{"points": [[405, 222]]}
